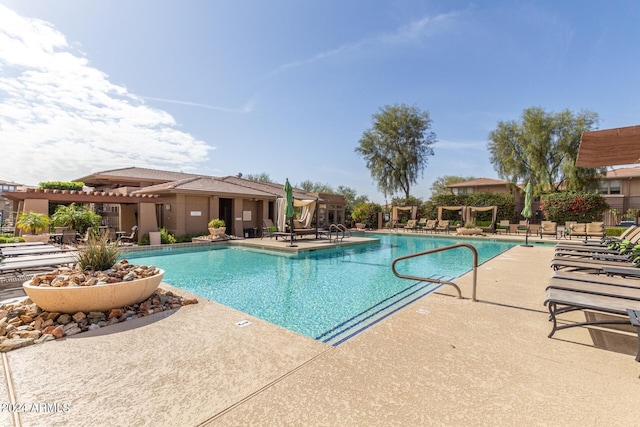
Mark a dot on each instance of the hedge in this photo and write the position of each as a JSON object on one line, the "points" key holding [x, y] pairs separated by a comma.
{"points": [[573, 206]]}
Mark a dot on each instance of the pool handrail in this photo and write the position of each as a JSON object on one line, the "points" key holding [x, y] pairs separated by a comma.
{"points": [[442, 282]]}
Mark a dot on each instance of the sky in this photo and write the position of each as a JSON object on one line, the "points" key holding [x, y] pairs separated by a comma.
{"points": [[288, 87]]}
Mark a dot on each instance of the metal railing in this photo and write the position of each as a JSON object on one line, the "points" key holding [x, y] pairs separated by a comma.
{"points": [[441, 282]]}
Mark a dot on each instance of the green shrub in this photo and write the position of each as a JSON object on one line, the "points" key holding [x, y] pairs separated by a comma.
{"points": [[98, 254], [367, 213], [216, 223], [573, 206], [76, 217], [60, 185], [144, 240], [614, 231], [166, 238], [11, 239]]}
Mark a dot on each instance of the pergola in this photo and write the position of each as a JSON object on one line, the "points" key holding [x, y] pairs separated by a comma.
{"points": [[142, 205], [609, 147]]}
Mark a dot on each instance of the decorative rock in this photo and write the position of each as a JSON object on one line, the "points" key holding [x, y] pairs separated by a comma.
{"points": [[72, 331], [64, 319], [29, 334], [69, 326], [115, 312], [24, 323], [44, 338], [58, 332], [15, 343]]}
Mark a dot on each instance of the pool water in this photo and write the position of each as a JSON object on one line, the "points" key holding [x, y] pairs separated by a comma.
{"points": [[328, 295]]}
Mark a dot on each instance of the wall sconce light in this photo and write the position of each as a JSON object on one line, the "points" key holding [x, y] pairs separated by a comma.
{"points": [[167, 207]]}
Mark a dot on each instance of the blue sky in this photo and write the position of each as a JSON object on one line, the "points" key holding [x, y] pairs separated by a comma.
{"points": [[288, 87]]}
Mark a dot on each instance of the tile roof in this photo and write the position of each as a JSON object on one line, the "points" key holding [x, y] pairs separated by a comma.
{"points": [[623, 173], [206, 184], [139, 173], [479, 182]]}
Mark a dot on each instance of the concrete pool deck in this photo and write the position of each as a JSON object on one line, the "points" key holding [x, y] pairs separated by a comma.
{"points": [[440, 360]]}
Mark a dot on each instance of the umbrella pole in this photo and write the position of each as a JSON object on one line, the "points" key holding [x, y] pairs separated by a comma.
{"points": [[291, 245], [526, 237]]}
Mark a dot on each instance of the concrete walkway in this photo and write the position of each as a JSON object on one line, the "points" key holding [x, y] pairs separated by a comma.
{"points": [[439, 361]]}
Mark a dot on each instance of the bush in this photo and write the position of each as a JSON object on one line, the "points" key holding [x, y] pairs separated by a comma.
{"points": [[166, 238], [504, 201], [367, 213], [98, 254], [573, 206], [11, 239], [59, 185], [76, 217]]}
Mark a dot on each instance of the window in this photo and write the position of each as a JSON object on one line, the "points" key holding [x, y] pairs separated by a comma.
{"points": [[462, 190], [609, 187]]}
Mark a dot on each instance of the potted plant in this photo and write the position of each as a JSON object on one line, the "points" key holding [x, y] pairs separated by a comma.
{"points": [[33, 223], [75, 217], [217, 227], [469, 229], [99, 282]]}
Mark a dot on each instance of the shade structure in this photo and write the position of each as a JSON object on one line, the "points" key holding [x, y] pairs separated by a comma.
{"points": [[609, 147], [526, 211]]}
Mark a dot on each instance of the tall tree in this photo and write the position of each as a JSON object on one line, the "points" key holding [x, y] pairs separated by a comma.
{"points": [[315, 187], [351, 197], [439, 186], [543, 148], [397, 146], [259, 177]]}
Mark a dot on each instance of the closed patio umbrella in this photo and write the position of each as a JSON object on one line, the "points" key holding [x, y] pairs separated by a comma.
{"points": [[288, 211], [526, 211]]}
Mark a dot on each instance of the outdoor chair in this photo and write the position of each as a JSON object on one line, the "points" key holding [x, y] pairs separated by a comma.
{"points": [[522, 227], [578, 230], [548, 228], [412, 224], [421, 223], [130, 238], [268, 228], [430, 225], [503, 226], [595, 229], [443, 226]]}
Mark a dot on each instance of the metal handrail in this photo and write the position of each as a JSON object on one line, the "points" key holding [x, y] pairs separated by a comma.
{"points": [[442, 282]]}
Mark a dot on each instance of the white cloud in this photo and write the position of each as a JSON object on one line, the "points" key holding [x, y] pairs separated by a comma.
{"points": [[61, 119]]}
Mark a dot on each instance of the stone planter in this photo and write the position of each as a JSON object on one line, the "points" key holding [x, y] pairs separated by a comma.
{"points": [[468, 231], [72, 299], [29, 238], [217, 231]]}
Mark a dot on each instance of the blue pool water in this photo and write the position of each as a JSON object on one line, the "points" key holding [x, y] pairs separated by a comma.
{"points": [[326, 294]]}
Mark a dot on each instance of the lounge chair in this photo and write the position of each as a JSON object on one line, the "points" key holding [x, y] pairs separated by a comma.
{"points": [[522, 227], [268, 228], [632, 234], [443, 226], [421, 223], [594, 265], [412, 224], [23, 264], [563, 300], [548, 228], [503, 226], [29, 250], [430, 225]]}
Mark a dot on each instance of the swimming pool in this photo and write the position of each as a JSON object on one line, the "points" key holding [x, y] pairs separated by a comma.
{"points": [[328, 295]]}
